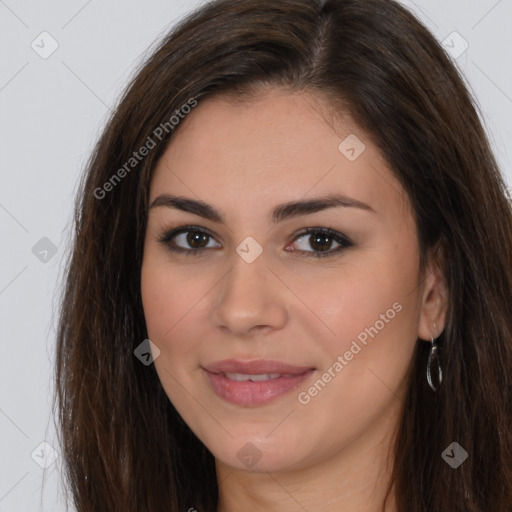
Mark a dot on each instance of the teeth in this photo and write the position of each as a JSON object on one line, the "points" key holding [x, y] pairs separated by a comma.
{"points": [[254, 378]]}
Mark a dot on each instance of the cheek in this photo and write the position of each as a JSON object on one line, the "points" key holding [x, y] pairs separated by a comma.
{"points": [[173, 301], [157, 299], [371, 308], [165, 304], [357, 297], [373, 315], [164, 298]]}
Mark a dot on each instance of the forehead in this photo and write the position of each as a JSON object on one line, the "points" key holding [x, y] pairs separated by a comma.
{"points": [[273, 147]]}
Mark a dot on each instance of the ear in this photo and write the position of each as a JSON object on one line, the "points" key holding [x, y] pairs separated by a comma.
{"points": [[435, 296]]}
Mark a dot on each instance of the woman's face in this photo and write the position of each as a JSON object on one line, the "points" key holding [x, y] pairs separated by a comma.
{"points": [[343, 309]]}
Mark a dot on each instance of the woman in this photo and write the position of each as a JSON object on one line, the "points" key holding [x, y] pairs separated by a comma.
{"points": [[291, 280]]}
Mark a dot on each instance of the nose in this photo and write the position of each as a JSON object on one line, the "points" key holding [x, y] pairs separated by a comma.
{"points": [[251, 299]]}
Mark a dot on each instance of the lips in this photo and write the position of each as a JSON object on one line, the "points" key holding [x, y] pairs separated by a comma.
{"points": [[263, 366], [254, 383]]}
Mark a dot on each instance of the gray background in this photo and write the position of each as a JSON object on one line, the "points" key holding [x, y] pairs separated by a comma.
{"points": [[51, 112]]}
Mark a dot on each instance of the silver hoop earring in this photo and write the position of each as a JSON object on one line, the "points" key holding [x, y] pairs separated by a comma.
{"points": [[434, 356]]}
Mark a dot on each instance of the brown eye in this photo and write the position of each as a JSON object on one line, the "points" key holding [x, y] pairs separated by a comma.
{"points": [[186, 239], [321, 240], [197, 239]]}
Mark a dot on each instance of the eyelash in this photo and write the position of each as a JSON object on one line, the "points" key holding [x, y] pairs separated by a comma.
{"points": [[344, 241]]}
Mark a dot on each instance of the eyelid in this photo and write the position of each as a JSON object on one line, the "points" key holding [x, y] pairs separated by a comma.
{"points": [[340, 238], [169, 234], [332, 233]]}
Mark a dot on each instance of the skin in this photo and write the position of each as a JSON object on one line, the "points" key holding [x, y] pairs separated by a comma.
{"points": [[335, 452]]}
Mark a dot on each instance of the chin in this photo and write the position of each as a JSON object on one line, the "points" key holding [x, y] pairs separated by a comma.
{"points": [[262, 454]]}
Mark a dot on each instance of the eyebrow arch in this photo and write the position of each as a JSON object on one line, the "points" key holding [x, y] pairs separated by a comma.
{"points": [[280, 213]]}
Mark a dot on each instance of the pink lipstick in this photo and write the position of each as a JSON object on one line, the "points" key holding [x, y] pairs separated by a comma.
{"points": [[254, 383]]}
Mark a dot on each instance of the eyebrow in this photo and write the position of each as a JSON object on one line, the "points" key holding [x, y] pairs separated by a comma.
{"points": [[280, 213]]}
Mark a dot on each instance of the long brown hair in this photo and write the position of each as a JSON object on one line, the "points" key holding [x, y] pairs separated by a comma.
{"points": [[124, 445]]}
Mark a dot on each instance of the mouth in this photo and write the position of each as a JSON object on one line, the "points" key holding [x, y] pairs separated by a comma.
{"points": [[254, 383]]}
